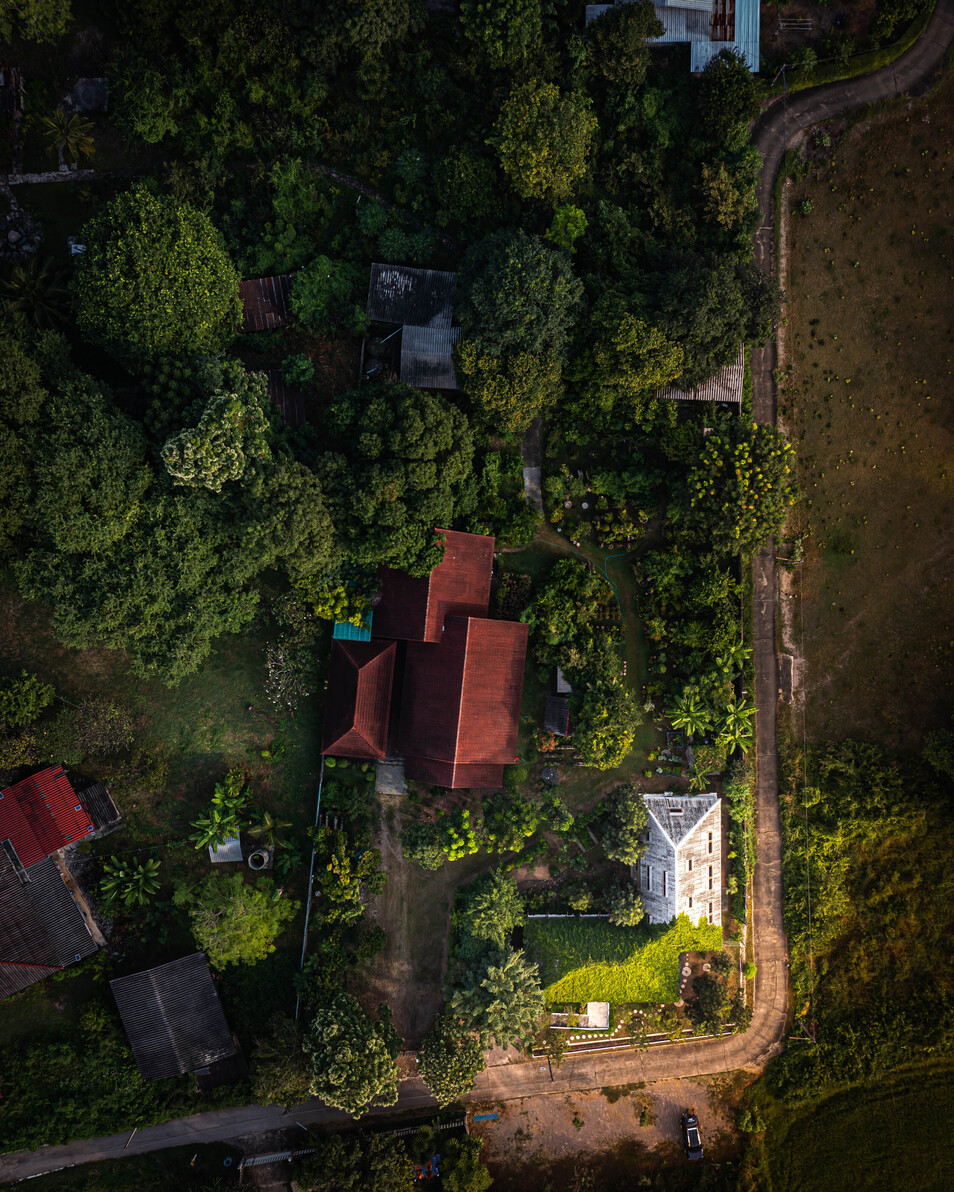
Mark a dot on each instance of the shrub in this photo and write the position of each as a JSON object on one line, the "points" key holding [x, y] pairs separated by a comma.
{"points": [[326, 296]]}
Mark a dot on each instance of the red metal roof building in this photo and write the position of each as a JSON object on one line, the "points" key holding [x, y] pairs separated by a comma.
{"points": [[359, 680], [461, 708], [460, 674], [459, 586], [41, 814]]}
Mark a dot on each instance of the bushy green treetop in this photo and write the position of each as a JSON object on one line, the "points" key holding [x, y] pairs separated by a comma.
{"points": [[351, 1056], [449, 1059], [235, 922], [155, 277], [544, 136]]}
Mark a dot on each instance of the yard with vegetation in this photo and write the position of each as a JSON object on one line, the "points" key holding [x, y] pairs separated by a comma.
{"points": [[881, 1135], [585, 960], [865, 394]]}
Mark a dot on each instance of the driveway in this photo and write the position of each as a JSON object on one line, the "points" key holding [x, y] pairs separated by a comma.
{"points": [[763, 1039]]}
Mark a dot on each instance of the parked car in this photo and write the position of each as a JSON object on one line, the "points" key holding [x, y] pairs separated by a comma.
{"points": [[691, 1138]]}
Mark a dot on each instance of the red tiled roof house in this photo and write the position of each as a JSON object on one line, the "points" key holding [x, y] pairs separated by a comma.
{"points": [[42, 814], [460, 674]]}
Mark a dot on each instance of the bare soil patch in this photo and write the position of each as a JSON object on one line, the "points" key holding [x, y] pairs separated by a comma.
{"points": [[537, 1142], [867, 400]]}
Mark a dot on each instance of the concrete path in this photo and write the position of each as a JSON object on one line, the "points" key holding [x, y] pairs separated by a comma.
{"points": [[763, 1039]]}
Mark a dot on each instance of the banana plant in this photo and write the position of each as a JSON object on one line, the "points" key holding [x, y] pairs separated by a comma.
{"points": [[132, 882], [269, 830], [690, 714]]}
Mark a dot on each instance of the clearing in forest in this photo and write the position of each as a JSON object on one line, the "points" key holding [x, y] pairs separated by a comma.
{"points": [[867, 400]]}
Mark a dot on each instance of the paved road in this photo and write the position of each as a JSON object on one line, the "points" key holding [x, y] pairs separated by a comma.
{"points": [[763, 1039]]}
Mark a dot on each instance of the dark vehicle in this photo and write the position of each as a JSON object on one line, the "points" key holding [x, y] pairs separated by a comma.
{"points": [[692, 1140]]}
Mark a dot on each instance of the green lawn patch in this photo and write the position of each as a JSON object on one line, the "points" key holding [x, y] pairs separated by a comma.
{"points": [[591, 960], [889, 1134]]}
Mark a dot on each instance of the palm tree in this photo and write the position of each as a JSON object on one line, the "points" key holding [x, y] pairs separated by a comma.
{"points": [[689, 714], [269, 830], [134, 882], [38, 292], [68, 135]]}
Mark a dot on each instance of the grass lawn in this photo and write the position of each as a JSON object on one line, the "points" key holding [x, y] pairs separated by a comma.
{"points": [[888, 1134], [869, 290], [590, 960]]}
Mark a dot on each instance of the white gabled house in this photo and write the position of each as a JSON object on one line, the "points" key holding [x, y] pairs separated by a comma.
{"points": [[681, 870]]}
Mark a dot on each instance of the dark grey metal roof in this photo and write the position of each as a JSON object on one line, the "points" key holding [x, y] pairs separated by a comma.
{"points": [[41, 927], [556, 717], [427, 357], [102, 810], [173, 1017], [400, 294], [678, 815]]}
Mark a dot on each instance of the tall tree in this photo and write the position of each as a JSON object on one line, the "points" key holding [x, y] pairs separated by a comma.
{"points": [[516, 294], [351, 1056], [155, 278], [449, 1059], [505, 31], [544, 136], [500, 998], [34, 20], [492, 908], [618, 52], [397, 467], [626, 822], [730, 96], [232, 433], [235, 922]]}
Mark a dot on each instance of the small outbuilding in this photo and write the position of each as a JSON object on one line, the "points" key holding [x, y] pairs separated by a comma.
{"points": [[419, 302], [265, 302], [556, 716], [725, 386], [174, 1020]]}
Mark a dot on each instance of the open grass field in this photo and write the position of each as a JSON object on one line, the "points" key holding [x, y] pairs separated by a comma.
{"points": [[868, 404], [881, 1137], [591, 960]]}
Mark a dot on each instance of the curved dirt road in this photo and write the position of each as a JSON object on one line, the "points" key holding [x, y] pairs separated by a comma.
{"points": [[773, 133]]}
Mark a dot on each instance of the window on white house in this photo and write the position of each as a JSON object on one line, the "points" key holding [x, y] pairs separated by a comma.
{"points": [[710, 912], [710, 877], [664, 884], [649, 878], [710, 842], [690, 902], [689, 865]]}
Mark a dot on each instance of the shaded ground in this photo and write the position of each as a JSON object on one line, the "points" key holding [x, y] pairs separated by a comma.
{"points": [[869, 342], [539, 1142], [414, 911]]}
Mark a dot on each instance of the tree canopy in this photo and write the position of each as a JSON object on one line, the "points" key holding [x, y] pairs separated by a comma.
{"points": [[235, 922], [499, 997], [351, 1056], [625, 824], [506, 31], [544, 136], [397, 466], [155, 277], [516, 294], [449, 1059]]}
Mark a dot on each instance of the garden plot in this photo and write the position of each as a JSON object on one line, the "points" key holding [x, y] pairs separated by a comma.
{"points": [[584, 960]]}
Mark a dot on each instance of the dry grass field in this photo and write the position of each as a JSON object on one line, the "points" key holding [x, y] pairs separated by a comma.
{"points": [[867, 396]]}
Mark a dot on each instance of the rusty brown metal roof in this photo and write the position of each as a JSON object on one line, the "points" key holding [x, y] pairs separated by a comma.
{"points": [[264, 302]]}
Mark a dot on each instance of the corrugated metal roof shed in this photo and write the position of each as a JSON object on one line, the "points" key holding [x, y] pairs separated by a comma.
{"points": [[427, 356], [726, 385], [229, 850], [416, 297], [344, 631], [41, 928], [556, 716], [358, 703], [41, 814], [98, 802], [173, 1018], [708, 26], [264, 302]]}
